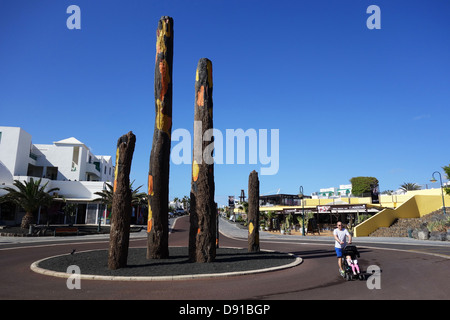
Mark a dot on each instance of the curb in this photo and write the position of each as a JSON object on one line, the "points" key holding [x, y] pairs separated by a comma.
{"points": [[35, 267], [233, 231]]}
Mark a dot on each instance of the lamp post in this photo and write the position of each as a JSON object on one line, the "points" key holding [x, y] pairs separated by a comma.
{"points": [[442, 191], [303, 211]]}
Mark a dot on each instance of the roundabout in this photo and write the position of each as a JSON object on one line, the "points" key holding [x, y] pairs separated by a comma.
{"points": [[410, 269], [229, 262]]}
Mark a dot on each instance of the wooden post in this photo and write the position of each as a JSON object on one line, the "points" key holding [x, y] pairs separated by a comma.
{"points": [[202, 233], [121, 205], [158, 175], [253, 212]]}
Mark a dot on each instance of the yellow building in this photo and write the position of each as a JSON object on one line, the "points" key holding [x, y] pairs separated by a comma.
{"points": [[413, 204]]}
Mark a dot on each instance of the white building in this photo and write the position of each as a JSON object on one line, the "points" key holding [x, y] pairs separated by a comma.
{"points": [[67, 164], [70, 159], [344, 190]]}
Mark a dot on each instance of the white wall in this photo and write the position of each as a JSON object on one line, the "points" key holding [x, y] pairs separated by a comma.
{"points": [[61, 157], [106, 162], [78, 189], [15, 147]]}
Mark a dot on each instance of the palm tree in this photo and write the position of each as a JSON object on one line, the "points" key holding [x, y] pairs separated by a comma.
{"points": [[245, 207], [409, 186], [136, 196], [70, 210], [106, 196], [270, 216], [186, 201], [447, 173], [30, 196], [176, 206], [139, 198]]}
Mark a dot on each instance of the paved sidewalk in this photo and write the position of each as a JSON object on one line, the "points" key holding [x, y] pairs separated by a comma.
{"points": [[233, 230], [10, 240]]}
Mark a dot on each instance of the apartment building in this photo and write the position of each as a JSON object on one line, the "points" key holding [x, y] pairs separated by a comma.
{"points": [[66, 164]]}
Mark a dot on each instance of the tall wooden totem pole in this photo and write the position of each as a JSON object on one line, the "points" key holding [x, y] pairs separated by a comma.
{"points": [[253, 212], [121, 204], [158, 176], [202, 233]]}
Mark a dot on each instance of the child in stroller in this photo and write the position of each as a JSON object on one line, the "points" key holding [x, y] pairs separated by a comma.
{"points": [[351, 267]]}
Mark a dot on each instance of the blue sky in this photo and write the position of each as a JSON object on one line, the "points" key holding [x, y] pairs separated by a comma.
{"points": [[348, 101]]}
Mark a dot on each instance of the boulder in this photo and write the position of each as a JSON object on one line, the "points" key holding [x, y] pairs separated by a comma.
{"points": [[438, 236], [423, 234]]}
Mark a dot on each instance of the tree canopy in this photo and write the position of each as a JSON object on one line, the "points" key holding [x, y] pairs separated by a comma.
{"points": [[106, 196], [362, 185], [409, 186], [447, 173], [30, 196]]}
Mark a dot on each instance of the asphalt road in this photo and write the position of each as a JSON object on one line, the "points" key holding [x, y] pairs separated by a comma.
{"points": [[408, 271]]}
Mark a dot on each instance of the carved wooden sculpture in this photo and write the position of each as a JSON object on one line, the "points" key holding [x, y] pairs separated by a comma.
{"points": [[158, 176], [202, 235], [253, 212], [121, 205]]}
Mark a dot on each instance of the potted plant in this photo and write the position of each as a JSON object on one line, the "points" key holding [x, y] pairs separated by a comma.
{"points": [[286, 227], [270, 217], [300, 222], [308, 215]]}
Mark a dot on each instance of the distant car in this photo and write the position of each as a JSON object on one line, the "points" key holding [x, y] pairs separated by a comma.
{"points": [[180, 212]]}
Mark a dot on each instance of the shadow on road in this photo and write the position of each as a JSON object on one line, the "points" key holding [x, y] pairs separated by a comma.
{"points": [[322, 253]]}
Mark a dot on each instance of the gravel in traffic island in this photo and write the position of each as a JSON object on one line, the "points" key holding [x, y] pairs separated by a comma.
{"points": [[229, 262]]}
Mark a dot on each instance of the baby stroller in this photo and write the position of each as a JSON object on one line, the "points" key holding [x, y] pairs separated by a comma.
{"points": [[350, 263]]}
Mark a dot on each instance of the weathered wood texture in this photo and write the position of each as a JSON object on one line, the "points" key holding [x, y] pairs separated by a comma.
{"points": [[202, 234], [253, 212], [121, 204], [158, 176]]}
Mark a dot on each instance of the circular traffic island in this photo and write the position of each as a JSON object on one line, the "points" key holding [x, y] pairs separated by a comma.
{"points": [[229, 262]]}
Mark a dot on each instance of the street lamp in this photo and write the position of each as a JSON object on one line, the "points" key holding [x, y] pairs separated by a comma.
{"points": [[303, 210], [442, 189]]}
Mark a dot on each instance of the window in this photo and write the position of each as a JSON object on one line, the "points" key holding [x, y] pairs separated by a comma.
{"points": [[7, 211], [0, 137], [75, 155]]}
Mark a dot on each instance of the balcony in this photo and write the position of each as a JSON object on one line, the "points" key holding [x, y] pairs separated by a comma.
{"points": [[33, 156], [93, 168]]}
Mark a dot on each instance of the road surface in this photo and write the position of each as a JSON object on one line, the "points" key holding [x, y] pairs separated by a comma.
{"points": [[408, 271]]}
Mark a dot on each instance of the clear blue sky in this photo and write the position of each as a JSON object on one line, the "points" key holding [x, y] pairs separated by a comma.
{"points": [[348, 101]]}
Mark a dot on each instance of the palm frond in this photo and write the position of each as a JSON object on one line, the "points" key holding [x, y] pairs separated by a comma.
{"points": [[29, 195]]}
